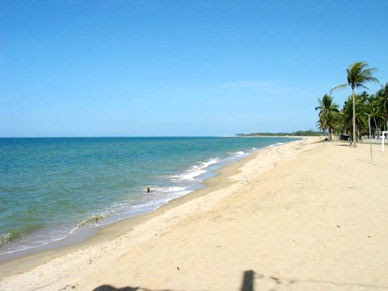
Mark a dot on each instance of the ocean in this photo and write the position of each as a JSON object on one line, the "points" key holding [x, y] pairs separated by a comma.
{"points": [[53, 189]]}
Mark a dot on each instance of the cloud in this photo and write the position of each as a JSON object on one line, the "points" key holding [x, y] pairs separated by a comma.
{"points": [[269, 87]]}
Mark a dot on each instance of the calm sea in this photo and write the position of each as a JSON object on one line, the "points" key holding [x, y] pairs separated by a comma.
{"points": [[52, 188]]}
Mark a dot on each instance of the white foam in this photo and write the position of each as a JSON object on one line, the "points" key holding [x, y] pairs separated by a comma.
{"points": [[195, 171], [5, 238], [41, 240], [276, 144], [239, 153], [210, 162], [151, 204], [167, 189]]}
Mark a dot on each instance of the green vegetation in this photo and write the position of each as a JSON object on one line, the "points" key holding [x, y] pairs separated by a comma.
{"points": [[352, 120], [328, 112], [296, 133], [357, 75]]}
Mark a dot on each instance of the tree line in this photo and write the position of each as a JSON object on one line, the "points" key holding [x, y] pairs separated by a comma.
{"points": [[352, 118], [309, 132]]}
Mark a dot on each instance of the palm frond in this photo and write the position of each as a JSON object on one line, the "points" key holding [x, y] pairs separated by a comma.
{"points": [[341, 86], [362, 86], [358, 73]]}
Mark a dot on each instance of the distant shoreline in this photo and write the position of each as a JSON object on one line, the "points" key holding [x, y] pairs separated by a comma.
{"points": [[286, 136], [298, 133]]}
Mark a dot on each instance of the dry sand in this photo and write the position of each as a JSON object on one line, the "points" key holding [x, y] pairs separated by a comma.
{"points": [[301, 216]]}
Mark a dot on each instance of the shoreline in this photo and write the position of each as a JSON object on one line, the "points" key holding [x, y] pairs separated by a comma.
{"points": [[285, 136], [35, 257], [81, 230], [305, 215]]}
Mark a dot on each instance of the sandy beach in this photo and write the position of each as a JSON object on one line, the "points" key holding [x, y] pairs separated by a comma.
{"points": [[306, 215]]}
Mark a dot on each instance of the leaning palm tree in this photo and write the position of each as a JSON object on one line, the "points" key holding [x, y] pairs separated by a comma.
{"points": [[328, 111], [357, 74]]}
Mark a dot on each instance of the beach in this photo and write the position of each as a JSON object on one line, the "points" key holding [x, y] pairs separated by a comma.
{"points": [[306, 215]]}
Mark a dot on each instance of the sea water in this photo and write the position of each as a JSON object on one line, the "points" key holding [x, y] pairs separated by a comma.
{"points": [[53, 188]]}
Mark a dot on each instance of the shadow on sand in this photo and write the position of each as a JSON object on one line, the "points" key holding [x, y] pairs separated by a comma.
{"points": [[343, 145], [250, 277], [111, 288], [285, 283], [248, 281]]}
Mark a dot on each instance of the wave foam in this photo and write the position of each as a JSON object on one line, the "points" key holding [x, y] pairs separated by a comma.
{"points": [[6, 238], [151, 204], [195, 171], [94, 219], [276, 144], [239, 153], [168, 189]]}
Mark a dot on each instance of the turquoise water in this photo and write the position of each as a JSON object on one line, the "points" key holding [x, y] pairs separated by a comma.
{"points": [[51, 188]]}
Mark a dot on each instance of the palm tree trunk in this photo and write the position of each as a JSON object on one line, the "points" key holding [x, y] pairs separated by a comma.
{"points": [[374, 119], [354, 118]]}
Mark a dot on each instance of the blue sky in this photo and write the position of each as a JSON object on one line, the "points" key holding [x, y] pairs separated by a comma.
{"points": [[156, 68]]}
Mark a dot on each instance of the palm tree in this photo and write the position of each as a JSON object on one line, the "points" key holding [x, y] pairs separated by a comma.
{"points": [[328, 111], [357, 75], [361, 116], [382, 101], [373, 109]]}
